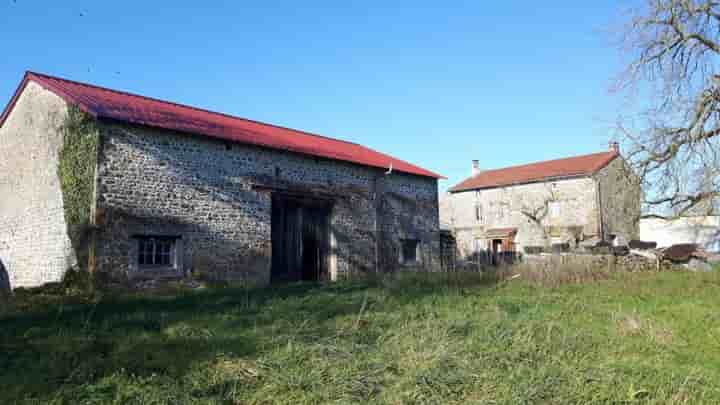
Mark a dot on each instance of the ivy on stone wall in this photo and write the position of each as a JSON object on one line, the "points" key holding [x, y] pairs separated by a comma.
{"points": [[76, 171]]}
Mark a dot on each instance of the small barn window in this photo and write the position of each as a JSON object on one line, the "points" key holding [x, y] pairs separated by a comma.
{"points": [[409, 251], [156, 251]]}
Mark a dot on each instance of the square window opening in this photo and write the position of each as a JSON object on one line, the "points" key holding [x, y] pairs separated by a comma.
{"points": [[409, 251], [156, 251]]}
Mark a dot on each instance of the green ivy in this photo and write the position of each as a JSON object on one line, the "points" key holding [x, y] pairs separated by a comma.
{"points": [[76, 170]]}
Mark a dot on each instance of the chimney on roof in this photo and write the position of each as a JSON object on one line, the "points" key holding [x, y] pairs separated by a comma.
{"points": [[614, 147], [475, 167]]}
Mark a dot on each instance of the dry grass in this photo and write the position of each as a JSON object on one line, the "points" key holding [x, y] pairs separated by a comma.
{"points": [[563, 274], [650, 338]]}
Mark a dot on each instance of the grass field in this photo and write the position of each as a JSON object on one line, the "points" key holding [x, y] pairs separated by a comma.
{"points": [[634, 338]]}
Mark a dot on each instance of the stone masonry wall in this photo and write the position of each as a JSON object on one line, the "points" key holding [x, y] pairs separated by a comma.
{"points": [[629, 262], [217, 197], [619, 192], [503, 208], [408, 210], [34, 245]]}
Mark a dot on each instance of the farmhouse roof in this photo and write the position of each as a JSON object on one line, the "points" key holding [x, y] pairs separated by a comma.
{"points": [[111, 104], [576, 166]]}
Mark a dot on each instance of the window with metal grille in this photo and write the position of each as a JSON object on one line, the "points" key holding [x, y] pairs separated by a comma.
{"points": [[156, 251]]}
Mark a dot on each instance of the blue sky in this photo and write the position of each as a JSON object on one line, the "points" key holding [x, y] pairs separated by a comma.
{"points": [[437, 85]]}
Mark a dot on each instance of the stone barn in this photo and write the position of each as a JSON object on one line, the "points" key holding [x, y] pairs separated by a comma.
{"points": [[535, 206], [135, 188]]}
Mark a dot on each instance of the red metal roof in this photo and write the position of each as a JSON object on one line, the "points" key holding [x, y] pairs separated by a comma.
{"points": [[106, 103], [576, 166]]}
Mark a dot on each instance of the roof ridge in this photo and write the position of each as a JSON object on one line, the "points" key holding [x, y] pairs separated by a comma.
{"points": [[546, 161], [199, 109], [571, 166], [136, 108]]}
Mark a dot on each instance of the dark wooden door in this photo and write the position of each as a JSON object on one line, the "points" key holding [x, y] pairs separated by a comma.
{"points": [[300, 239]]}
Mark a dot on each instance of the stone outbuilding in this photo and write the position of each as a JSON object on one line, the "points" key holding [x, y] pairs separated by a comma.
{"points": [[535, 206], [136, 188]]}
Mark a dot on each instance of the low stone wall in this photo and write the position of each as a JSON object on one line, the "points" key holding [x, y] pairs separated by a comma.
{"points": [[628, 262]]}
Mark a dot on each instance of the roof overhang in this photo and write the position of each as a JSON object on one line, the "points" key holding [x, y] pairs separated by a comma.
{"points": [[500, 233]]}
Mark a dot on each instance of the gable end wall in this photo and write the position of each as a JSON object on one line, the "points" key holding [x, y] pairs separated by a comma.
{"points": [[619, 192], [34, 245]]}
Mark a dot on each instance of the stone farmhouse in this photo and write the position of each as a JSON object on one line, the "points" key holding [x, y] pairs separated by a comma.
{"points": [[558, 202], [135, 188]]}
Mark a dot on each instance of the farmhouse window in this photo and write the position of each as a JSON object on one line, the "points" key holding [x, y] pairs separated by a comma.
{"points": [[554, 208], [409, 251], [156, 251], [478, 213], [500, 213]]}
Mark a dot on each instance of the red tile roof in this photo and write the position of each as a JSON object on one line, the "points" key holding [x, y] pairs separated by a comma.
{"points": [[111, 104], [576, 166]]}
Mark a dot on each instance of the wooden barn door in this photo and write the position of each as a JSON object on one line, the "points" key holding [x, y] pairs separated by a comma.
{"points": [[300, 239]]}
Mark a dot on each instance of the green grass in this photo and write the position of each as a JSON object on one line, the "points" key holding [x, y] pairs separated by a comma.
{"points": [[634, 338]]}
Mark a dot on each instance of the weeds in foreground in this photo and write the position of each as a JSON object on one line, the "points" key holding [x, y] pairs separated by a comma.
{"points": [[565, 274]]}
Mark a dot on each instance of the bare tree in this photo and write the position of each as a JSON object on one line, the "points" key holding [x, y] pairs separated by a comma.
{"points": [[674, 144], [535, 207]]}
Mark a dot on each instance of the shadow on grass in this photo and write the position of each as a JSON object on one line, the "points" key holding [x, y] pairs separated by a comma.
{"points": [[68, 342]]}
